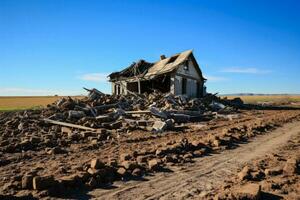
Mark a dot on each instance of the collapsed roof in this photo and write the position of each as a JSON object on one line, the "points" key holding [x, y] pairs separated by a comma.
{"points": [[146, 70]]}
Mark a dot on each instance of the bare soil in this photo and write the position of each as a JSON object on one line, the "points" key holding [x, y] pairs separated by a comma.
{"points": [[229, 143], [202, 178]]}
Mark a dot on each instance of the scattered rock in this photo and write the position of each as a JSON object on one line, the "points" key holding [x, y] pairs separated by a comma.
{"points": [[153, 164], [96, 164], [257, 175], [71, 181], [244, 174], [250, 191], [273, 171], [122, 171], [27, 182], [43, 183], [137, 172], [129, 164], [56, 150], [159, 126], [66, 130], [73, 114], [290, 167]]}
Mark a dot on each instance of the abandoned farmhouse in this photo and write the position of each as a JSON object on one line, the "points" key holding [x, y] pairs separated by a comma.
{"points": [[178, 74]]}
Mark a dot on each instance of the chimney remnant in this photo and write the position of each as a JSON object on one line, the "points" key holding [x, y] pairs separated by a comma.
{"points": [[162, 57]]}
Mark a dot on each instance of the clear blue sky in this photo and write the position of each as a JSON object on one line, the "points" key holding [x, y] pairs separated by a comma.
{"points": [[57, 47]]}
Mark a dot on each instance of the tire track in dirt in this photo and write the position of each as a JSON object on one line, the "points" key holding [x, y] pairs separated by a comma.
{"points": [[197, 179]]}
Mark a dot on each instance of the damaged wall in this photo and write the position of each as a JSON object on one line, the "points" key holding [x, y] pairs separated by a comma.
{"points": [[192, 77]]}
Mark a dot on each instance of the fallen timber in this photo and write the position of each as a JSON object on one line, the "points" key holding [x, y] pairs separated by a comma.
{"points": [[69, 125]]}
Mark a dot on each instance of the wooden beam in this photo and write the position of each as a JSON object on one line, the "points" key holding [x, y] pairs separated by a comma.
{"points": [[69, 125], [106, 106], [139, 86], [138, 112]]}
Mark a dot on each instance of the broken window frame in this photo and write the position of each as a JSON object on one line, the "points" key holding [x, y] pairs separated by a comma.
{"points": [[183, 85], [186, 65]]}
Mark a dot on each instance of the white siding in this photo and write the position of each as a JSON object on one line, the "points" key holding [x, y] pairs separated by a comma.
{"points": [[177, 85], [191, 84], [190, 72]]}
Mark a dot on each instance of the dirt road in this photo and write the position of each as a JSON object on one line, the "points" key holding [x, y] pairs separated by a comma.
{"points": [[195, 180]]}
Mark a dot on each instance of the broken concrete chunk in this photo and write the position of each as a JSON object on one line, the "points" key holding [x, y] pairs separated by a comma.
{"points": [[56, 150], [122, 171], [43, 183], [73, 114], [66, 130], [159, 126], [70, 181], [153, 164], [129, 164], [273, 171], [245, 173], [257, 175], [96, 164], [290, 167], [27, 182], [249, 191]]}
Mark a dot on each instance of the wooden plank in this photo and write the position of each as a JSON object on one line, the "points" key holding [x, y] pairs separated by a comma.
{"points": [[138, 112], [69, 125], [106, 107], [103, 117], [139, 86]]}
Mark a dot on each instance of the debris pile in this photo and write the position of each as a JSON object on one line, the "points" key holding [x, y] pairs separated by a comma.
{"points": [[88, 143], [71, 128], [155, 111], [96, 116], [100, 117]]}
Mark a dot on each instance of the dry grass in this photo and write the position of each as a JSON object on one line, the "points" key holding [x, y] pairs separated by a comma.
{"points": [[21, 103], [275, 99]]}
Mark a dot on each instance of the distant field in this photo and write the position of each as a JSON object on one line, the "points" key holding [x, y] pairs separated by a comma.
{"points": [[275, 99], [21, 103]]}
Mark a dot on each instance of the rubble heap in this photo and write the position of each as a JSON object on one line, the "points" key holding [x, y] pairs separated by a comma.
{"points": [[100, 117]]}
